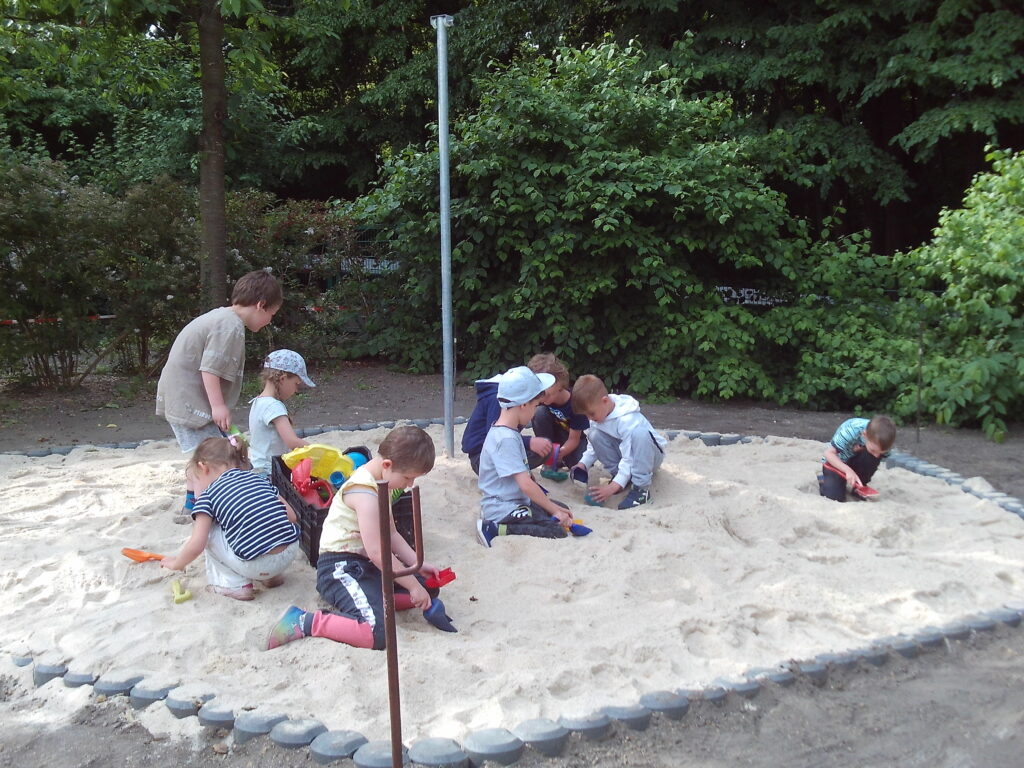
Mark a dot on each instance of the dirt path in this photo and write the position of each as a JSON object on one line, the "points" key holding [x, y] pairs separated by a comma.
{"points": [[107, 411], [955, 707]]}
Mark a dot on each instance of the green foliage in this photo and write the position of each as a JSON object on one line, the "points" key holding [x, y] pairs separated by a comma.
{"points": [[54, 254], [152, 286], [886, 100], [968, 283], [72, 251], [597, 206], [121, 105], [309, 247]]}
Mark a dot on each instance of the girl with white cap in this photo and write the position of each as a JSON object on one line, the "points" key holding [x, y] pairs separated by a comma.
{"points": [[271, 432]]}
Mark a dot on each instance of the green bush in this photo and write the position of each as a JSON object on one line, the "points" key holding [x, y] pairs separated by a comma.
{"points": [[71, 251], [968, 289], [153, 286], [310, 247], [56, 256], [597, 207]]}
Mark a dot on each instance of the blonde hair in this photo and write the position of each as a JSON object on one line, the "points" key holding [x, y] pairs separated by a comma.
{"points": [[275, 377], [881, 430], [546, 362], [220, 452], [409, 449], [586, 393]]}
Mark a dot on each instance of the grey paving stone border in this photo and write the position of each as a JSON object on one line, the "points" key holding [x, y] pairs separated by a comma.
{"points": [[547, 737]]}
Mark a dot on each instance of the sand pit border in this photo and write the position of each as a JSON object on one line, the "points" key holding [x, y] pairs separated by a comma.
{"points": [[545, 736]]}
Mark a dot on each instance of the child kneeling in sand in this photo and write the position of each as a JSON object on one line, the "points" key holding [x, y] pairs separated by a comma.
{"points": [[856, 450], [555, 419], [248, 531], [621, 438], [348, 572], [513, 503]]}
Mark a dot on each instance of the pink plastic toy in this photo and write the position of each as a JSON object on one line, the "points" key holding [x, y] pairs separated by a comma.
{"points": [[315, 492]]}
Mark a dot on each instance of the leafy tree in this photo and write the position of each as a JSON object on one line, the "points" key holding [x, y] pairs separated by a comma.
{"points": [[79, 44], [885, 100]]}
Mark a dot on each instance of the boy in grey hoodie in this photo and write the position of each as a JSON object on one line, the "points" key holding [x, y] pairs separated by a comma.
{"points": [[621, 438]]}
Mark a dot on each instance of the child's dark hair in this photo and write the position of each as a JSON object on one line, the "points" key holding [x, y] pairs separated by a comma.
{"points": [[252, 288], [882, 431], [587, 390], [228, 452], [546, 362], [409, 449]]}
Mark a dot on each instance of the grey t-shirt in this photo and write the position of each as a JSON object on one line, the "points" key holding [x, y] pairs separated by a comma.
{"points": [[264, 440], [501, 459], [215, 343]]}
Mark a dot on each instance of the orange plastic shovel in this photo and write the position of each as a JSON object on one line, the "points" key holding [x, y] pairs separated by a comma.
{"points": [[140, 555]]}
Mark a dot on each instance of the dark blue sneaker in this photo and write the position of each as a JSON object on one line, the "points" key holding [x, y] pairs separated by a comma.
{"points": [[437, 617], [635, 497], [486, 531], [580, 475]]}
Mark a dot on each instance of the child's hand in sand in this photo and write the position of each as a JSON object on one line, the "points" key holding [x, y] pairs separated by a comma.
{"points": [[564, 516], [172, 564], [601, 493]]}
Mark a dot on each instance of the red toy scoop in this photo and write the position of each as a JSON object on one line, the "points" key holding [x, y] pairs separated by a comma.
{"points": [[445, 576], [864, 491]]}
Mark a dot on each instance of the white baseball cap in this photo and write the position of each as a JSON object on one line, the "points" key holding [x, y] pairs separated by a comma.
{"points": [[519, 385], [290, 362]]}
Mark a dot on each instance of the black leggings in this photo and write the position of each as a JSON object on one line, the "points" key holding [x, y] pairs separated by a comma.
{"points": [[833, 485]]}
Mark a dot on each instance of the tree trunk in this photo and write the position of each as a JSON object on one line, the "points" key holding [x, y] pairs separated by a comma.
{"points": [[211, 154]]}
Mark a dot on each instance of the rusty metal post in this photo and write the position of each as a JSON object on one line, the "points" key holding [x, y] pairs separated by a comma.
{"points": [[388, 576]]}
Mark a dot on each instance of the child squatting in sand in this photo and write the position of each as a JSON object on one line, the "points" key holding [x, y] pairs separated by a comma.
{"points": [[854, 453], [348, 572], [248, 531], [621, 438]]}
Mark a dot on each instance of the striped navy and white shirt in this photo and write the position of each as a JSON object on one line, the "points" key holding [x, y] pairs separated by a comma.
{"points": [[247, 507]]}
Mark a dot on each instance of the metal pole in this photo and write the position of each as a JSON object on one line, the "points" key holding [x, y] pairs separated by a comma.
{"points": [[441, 24], [387, 578]]}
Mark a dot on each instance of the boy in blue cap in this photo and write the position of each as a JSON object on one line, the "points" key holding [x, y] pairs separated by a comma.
{"points": [[513, 503]]}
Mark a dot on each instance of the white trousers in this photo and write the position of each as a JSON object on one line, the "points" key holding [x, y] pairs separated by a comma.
{"points": [[225, 569]]}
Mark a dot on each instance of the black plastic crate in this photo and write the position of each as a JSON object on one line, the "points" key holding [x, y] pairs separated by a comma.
{"points": [[311, 519], [401, 511]]}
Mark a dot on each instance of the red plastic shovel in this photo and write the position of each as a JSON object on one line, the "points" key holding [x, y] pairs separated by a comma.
{"points": [[864, 491]]}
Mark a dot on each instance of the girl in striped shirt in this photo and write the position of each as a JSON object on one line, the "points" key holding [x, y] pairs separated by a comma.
{"points": [[248, 531]]}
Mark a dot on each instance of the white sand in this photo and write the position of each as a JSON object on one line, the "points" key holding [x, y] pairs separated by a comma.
{"points": [[736, 563]]}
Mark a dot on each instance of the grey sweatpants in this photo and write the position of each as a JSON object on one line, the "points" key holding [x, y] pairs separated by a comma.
{"points": [[647, 454]]}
